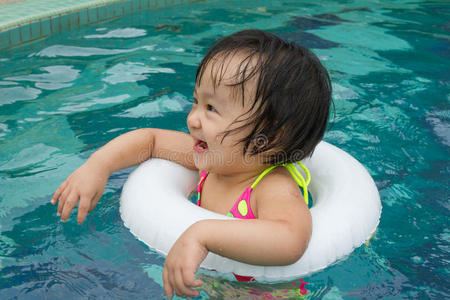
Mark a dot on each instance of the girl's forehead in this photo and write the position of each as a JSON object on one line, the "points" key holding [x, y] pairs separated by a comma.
{"points": [[225, 75]]}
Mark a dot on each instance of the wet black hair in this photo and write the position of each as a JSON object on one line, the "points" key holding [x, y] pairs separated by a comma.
{"points": [[292, 97]]}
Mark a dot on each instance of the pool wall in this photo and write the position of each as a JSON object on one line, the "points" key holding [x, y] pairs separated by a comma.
{"points": [[32, 20]]}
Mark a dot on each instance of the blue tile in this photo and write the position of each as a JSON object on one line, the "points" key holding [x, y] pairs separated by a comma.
{"points": [[4, 40], [161, 3], [25, 33], [14, 36], [145, 4], [131, 5], [65, 22], [55, 23], [102, 13], [127, 9], [137, 5], [45, 27], [84, 19], [35, 30], [74, 20], [110, 11], [118, 9], [92, 14]]}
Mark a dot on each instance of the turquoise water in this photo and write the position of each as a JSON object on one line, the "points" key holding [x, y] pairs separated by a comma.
{"points": [[64, 97]]}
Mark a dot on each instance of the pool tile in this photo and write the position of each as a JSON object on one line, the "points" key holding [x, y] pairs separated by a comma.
{"points": [[35, 30], [102, 13], [4, 40], [145, 4], [84, 19], [65, 22], [118, 9], [55, 23], [45, 27], [61, 20], [161, 3], [14, 36], [110, 11], [136, 5], [25, 33], [92, 14], [131, 6], [74, 20], [127, 8]]}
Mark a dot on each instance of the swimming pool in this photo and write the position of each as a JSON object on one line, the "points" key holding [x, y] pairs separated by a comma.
{"points": [[63, 97]]}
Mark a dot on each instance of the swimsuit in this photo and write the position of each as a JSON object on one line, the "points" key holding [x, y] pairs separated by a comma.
{"points": [[241, 208]]}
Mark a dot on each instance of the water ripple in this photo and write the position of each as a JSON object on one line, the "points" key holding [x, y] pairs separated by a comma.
{"points": [[440, 122], [74, 51], [10, 95], [56, 77], [131, 72], [158, 107], [119, 33]]}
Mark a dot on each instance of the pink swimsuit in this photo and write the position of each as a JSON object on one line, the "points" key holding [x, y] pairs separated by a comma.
{"points": [[241, 208]]}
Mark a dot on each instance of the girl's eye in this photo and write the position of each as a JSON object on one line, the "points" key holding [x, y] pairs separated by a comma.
{"points": [[211, 108]]}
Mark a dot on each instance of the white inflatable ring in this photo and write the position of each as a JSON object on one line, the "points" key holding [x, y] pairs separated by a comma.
{"points": [[345, 213]]}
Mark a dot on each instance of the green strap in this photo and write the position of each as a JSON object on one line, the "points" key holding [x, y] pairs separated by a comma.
{"points": [[295, 174], [299, 178], [262, 175]]}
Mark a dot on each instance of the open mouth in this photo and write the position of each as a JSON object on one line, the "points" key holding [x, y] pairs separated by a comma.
{"points": [[200, 146]]}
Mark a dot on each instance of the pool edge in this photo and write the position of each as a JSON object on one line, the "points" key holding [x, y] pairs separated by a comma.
{"points": [[65, 15]]}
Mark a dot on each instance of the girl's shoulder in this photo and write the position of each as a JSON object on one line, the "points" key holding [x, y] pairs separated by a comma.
{"points": [[279, 187]]}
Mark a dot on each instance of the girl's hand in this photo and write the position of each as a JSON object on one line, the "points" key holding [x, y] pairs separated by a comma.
{"points": [[86, 184], [182, 263]]}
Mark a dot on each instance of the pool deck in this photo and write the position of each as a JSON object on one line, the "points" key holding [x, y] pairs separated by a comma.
{"points": [[24, 21], [4, 2]]}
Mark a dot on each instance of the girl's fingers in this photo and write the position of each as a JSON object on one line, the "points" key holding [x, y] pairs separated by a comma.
{"points": [[172, 282], [62, 200], [58, 192], [94, 201], [189, 282], [168, 291], [189, 278], [83, 208], [182, 286], [69, 204]]}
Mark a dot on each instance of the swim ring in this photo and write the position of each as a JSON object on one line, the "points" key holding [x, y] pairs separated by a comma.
{"points": [[345, 213]]}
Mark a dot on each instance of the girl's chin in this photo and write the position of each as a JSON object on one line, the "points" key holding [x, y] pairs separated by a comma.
{"points": [[206, 162], [200, 162]]}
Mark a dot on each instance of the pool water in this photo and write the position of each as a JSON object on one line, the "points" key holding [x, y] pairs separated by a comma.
{"points": [[64, 97]]}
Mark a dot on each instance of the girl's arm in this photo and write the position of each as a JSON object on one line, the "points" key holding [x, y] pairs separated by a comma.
{"points": [[279, 236], [87, 183]]}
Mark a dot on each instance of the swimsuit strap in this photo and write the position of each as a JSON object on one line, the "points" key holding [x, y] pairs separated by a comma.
{"points": [[199, 186], [262, 175], [298, 177]]}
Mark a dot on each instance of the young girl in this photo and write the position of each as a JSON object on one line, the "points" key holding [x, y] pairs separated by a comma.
{"points": [[259, 103]]}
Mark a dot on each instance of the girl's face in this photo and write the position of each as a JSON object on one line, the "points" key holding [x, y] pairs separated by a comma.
{"points": [[214, 111]]}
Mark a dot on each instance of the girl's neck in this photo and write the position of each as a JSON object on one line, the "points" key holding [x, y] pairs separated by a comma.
{"points": [[246, 177]]}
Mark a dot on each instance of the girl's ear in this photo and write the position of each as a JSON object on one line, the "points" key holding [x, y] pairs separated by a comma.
{"points": [[259, 143]]}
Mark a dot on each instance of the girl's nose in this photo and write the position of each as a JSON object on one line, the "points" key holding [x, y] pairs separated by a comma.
{"points": [[193, 120]]}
